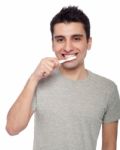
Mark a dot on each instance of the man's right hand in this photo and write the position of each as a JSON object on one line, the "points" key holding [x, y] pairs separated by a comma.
{"points": [[45, 68]]}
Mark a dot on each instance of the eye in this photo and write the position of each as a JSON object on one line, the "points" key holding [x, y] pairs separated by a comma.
{"points": [[60, 40], [77, 38]]}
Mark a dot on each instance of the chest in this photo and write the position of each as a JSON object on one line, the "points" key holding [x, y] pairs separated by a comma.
{"points": [[72, 103]]}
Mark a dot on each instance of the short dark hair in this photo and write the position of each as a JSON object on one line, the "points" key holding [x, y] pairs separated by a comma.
{"points": [[71, 14]]}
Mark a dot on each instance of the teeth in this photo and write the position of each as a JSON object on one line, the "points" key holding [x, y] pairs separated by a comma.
{"points": [[68, 56]]}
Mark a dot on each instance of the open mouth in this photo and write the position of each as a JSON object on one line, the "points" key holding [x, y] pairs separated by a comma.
{"points": [[66, 56]]}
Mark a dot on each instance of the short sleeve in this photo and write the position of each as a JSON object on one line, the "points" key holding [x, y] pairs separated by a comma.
{"points": [[113, 108]]}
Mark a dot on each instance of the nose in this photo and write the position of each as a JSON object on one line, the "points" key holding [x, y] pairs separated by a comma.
{"points": [[68, 46]]}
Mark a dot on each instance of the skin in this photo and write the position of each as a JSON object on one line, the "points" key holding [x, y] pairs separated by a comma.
{"points": [[68, 38], [109, 136]]}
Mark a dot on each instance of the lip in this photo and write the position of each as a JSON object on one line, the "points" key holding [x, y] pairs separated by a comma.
{"points": [[74, 54]]}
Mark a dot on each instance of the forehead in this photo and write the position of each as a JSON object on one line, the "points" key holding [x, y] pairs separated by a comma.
{"points": [[67, 29]]}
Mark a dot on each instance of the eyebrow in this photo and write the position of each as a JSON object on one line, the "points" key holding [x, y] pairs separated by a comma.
{"points": [[58, 36], [62, 36], [78, 35]]}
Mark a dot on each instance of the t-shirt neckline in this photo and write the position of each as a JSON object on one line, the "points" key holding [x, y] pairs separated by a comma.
{"points": [[75, 81]]}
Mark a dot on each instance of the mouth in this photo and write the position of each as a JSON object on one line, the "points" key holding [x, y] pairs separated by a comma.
{"points": [[66, 56]]}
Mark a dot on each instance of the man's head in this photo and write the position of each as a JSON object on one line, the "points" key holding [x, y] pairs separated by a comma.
{"points": [[71, 14], [70, 30]]}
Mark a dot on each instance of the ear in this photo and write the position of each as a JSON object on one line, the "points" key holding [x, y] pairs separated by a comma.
{"points": [[89, 43], [52, 45]]}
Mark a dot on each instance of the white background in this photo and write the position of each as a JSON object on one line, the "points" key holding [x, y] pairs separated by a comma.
{"points": [[25, 39]]}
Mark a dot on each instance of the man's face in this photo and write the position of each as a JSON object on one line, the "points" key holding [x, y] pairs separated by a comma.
{"points": [[70, 39]]}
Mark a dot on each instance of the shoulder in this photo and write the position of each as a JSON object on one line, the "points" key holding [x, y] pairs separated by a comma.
{"points": [[102, 81]]}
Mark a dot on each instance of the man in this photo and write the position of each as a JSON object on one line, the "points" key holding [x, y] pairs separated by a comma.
{"points": [[70, 102]]}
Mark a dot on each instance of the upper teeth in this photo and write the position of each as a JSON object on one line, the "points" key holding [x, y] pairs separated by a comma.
{"points": [[68, 56]]}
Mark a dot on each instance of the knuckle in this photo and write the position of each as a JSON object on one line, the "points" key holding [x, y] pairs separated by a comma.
{"points": [[51, 69]]}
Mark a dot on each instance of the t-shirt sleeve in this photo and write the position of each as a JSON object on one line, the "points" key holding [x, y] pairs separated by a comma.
{"points": [[113, 108]]}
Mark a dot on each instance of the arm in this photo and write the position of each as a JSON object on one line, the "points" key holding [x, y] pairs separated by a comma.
{"points": [[109, 136], [21, 111]]}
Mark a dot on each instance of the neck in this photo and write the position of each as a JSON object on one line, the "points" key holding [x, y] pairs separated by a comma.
{"points": [[79, 73]]}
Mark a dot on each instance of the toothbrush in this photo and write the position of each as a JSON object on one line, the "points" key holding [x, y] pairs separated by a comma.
{"points": [[62, 61], [67, 59]]}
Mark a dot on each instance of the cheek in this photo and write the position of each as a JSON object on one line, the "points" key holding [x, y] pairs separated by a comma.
{"points": [[83, 48], [57, 48], [82, 52]]}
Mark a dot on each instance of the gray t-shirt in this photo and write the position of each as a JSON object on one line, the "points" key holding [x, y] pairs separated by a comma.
{"points": [[69, 113]]}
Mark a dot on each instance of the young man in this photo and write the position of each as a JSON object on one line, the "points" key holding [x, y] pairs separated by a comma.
{"points": [[70, 102]]}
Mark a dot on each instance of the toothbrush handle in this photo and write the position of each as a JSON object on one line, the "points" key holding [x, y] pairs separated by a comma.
{"points": [[62, 61]]}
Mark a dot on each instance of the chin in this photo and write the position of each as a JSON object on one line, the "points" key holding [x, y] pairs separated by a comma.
{"points": [[70, 66]]}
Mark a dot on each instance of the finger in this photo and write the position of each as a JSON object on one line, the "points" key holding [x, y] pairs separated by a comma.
{"points": [[48, 67], [46, 70], [55, 61]]}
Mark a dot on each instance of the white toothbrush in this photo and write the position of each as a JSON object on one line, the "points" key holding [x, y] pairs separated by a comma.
{"points": [[62, 61], [67, 59]]}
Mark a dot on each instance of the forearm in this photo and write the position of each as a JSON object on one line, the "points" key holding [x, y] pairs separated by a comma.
{"points": [[109, 147], [21, 111]]}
